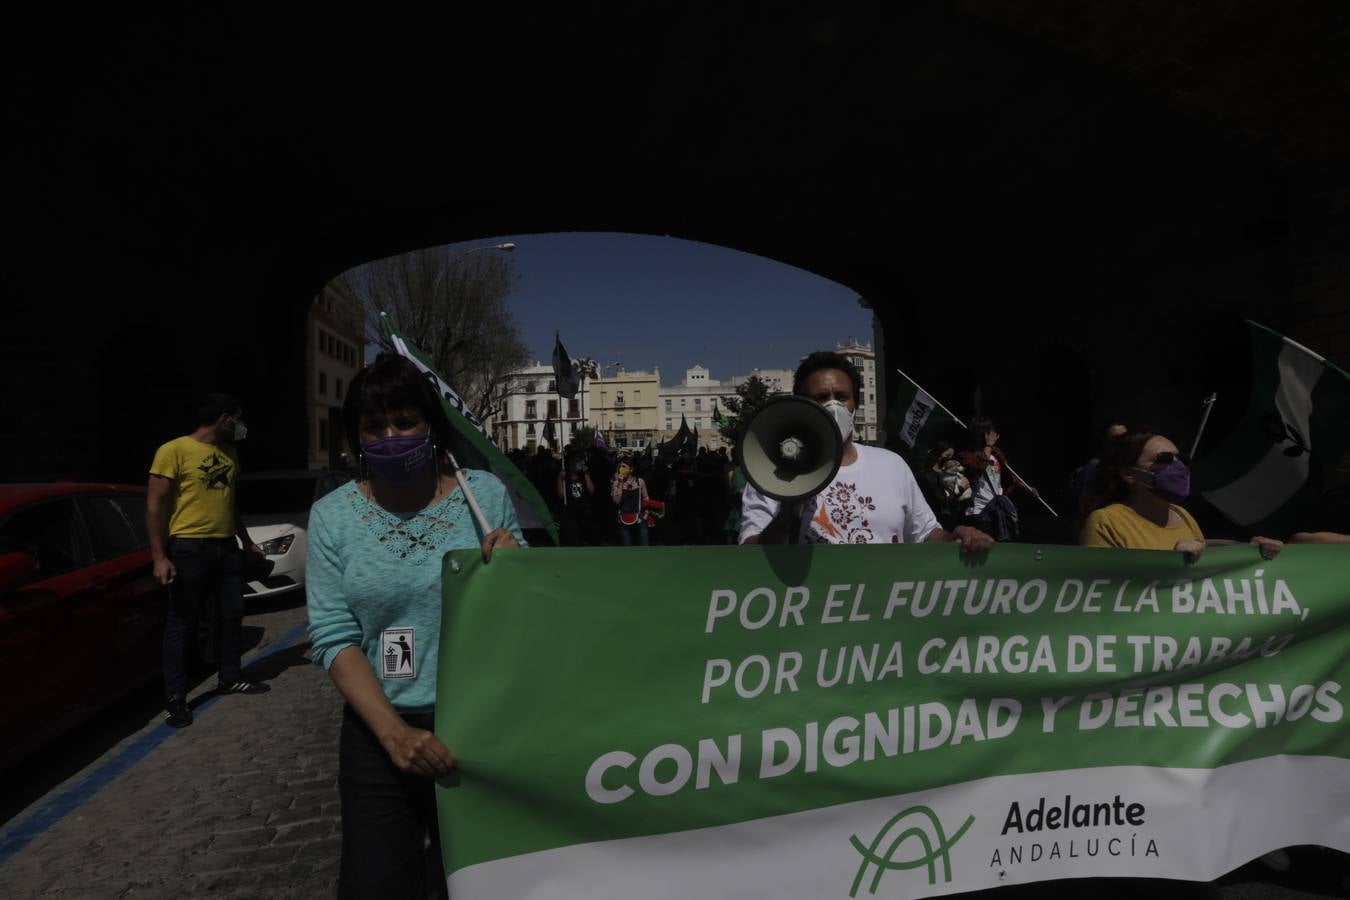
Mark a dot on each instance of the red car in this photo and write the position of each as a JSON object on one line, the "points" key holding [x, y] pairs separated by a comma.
{"points": [[81, 615]]}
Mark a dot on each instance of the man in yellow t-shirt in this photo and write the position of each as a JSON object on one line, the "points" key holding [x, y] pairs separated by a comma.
{"points": [[193, 525]]}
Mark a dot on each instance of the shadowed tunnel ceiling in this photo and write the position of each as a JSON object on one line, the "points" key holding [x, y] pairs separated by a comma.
{"points": [[1067, 206]]}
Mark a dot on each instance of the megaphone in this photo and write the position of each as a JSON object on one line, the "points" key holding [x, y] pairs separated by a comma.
{"points": [[790, 448]]}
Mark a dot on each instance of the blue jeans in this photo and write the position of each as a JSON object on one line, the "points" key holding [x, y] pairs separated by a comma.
{"points": [[207, 583], [626, 533]]}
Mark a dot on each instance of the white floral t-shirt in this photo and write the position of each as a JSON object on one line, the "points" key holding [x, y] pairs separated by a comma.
{"points": [[876, 500]]}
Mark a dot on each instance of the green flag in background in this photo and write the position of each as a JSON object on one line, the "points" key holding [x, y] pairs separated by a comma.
{"points": [[531, 510], [719, 418], [1282, 455], [921, 420]]}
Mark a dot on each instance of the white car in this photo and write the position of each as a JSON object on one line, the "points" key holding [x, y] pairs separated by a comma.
{"points": [[275, 509]]}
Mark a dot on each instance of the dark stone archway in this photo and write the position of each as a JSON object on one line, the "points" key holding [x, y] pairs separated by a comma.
{"points": [[1055, 206]]}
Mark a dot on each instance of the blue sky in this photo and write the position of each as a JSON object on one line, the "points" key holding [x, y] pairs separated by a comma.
{"points": [[656, 301]]}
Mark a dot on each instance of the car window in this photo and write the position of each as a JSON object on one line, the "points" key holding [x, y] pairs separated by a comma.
{"points": [[133, 506], [272, 496], [111, 532], [53, 532]]}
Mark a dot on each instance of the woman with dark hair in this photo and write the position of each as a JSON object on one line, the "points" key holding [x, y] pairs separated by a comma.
{"points": [[374, 589], [628, 491], [1134, 500]]}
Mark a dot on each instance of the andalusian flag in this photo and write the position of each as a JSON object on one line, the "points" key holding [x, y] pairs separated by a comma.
{"points": [[1283, 454], [531, 510], [719, 418], [922, 419]]}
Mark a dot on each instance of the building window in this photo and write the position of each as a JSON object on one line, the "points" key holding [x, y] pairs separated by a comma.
{"points": [[552, 386], [323, 383], [337, 388], [684, 401], [618, 398], [320, 334], [553, 409], [667, 407], [670, 423], [871, 398], [572, 411], [323, 434], [530, 412], [698, 403]]}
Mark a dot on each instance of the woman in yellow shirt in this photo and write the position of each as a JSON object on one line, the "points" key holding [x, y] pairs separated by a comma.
{"points": [[1134, 496]]}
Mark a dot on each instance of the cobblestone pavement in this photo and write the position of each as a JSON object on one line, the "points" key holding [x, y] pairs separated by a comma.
{"points": [[242, 803]]}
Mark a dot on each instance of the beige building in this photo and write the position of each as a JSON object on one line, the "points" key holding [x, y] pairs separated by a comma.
{"points": [[336, 343], [624, 407]]}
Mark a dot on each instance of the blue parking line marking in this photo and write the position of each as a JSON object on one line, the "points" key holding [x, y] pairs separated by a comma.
{"points": [[15, 837]]}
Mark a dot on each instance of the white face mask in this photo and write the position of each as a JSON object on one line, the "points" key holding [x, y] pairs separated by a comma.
{"points": [[843, 419]]}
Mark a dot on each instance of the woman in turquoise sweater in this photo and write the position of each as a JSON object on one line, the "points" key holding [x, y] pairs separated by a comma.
{"points": [[373, 580]]}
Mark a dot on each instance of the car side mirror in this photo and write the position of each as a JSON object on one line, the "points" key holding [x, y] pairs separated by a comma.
{"points": [[15, 566]]}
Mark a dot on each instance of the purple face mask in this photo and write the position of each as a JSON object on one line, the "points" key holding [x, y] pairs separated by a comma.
{"points": [[399, 458], [1172, 481]]}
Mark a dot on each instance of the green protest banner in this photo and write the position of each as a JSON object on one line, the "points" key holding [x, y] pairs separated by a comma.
{"points": [[858, 721]]}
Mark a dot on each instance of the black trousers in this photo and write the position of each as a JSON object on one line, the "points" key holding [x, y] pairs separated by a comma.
{"points": [[207, 584], [387, 818]]}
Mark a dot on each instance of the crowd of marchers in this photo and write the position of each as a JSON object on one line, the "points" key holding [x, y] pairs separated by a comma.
{"points": [[605, 497], [375, 544], [1131, 495]]}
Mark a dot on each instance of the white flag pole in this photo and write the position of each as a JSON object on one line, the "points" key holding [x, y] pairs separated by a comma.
{"points": [[462, 477], [957, 420]]}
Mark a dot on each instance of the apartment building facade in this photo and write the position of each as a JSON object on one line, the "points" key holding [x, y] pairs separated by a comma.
{"points": [[335, 346], [529, 401]]}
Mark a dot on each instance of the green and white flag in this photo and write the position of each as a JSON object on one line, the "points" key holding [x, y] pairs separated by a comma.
{"points": [[1283, 453], [866, 721], [922, 420], [531, 510]]}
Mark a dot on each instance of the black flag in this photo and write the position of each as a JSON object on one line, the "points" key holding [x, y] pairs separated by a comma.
{"points": [[683, 441], [563, 373]]}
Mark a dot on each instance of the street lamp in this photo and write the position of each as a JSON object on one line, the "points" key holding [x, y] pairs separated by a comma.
{"points": [[507, 247]]}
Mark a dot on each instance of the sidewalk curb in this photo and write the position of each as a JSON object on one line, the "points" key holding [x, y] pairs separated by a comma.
{"points": [[16, 836]]}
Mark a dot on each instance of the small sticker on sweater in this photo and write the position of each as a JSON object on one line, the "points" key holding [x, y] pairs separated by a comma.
{"points": [[396, 653]]}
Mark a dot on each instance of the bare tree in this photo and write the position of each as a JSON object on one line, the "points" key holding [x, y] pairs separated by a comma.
{"points": [[453, 308]]}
